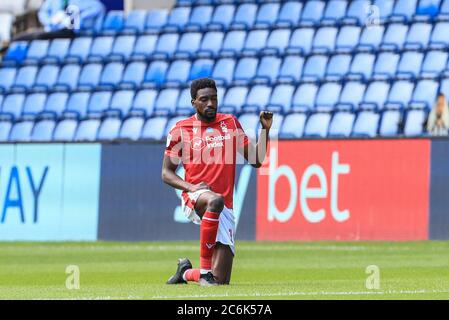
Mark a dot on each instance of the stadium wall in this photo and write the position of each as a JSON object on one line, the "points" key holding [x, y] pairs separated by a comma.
{"points": [[392, 189]]}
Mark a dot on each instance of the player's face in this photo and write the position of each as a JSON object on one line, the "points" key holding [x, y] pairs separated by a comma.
{"points": [[206, 103]]}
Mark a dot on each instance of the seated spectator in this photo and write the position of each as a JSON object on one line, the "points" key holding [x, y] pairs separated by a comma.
{"points": [[438, 121], [65, 18]]}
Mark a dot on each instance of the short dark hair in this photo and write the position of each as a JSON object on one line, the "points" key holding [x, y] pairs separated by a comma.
{"points": [[199, 84]]}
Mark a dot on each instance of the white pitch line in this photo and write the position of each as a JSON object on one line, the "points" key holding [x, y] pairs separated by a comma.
{"points": [[318, 293]]}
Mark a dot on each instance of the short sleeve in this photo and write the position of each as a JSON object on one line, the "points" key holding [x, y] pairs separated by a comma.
{"points": [[173, 147], [242, 138]]}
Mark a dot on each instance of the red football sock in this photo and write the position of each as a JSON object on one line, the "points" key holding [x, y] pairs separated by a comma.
{"points": [[192, 275], [208, 236]]}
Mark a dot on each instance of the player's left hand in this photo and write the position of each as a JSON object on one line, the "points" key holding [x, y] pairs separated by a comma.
{"points": [[266, 119]]}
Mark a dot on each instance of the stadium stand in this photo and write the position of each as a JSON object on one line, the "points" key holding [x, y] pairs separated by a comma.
{"points": [[334, 68]]}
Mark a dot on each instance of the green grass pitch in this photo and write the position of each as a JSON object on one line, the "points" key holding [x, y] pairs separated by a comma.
{"points": [[262, 270]]}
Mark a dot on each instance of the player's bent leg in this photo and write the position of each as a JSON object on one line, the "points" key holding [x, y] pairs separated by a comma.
{"points": [[222, 263]]}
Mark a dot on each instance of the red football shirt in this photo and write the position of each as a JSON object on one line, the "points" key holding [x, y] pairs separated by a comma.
{"points": [[208, 151]]}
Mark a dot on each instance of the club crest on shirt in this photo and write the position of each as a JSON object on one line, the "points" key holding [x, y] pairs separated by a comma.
{"points": [[224, 127]]}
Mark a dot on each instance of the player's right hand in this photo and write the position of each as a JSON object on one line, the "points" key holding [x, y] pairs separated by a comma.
{"points": [[199, 186]]}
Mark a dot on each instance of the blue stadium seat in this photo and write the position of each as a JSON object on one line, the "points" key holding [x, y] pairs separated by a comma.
{"points": [[440, 36], [113, 22], [366, 124], [109, 129], [211, 44], [245, 16], [268, 70], [223, 72], [335, 11], [315, 68], [155, 74], [362, 66], [418, 36], [68, 77], [234, 99], [341, 124], [43, 130], [400, 94], [133, 75], [90, 76], [222, 17], [184, 105], [301, 41], [46, 77], [112, 75], [357, 12], [328, 96], [178, 18], [21, 131], [293, 126], [5, 129], [304, 97], [403, 10], [101, 47], [255, 42], [16, 53], [347, 39], [99, 102], [144, 47], [201, 68], [87, 130], [276, 126], [428, 8], [188, 45], [233, 43], [444, 86], [425, 94], [56, 102], [250, 122], [245, 70], [351, 96], [386, 65], [77, 103], [277, 41], [171, 122], [394, 37], [434, 63], [338, 67], [409, 65], [267, 15], [25, 78], [34, 104], [123, 48], [154, 128], [135, 22], [312, 13], [131, 128], [65, 130], [200, 18], [37, 50], [122, 100], [289, 14], [7, 76], [13, 104], [291, 69], [178, 72], [415, 123], [166, 101], [79, 50], [281, 98], [324, 41], [145, 100], [371, 38], [317, 125], [389, 123], [59, 48], [156, 19], [166, 45], [258, 97], [385, 9], [443, 14], [1, 101]]}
